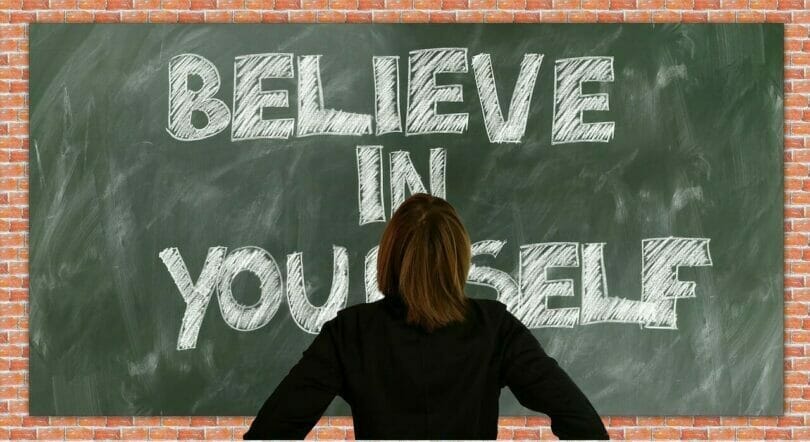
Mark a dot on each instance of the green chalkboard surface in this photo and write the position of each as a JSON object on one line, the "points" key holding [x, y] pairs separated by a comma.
{"points": [[205, 197]]}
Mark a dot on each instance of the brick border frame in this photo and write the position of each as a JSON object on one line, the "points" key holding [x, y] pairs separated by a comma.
{"points": [[16, 14]]}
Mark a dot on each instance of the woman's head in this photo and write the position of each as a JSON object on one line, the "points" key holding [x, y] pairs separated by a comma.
{"points": [[424, 257]]}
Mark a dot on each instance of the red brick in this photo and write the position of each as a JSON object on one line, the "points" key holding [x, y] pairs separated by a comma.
{"points": [[20, 433], [247, 16], [176, 4], [595, 4], [609, 17], [695, 17], [750, 17], [259, 4], [303, 16], [666, 16], [581, 17], [7, 420], [516, 4], [637, 433], [330, 433], [665, 433], [210, 421], [623, 4], [162, 17], [454, 4], [50, 433], [690, 433], [790, 421], [537, 421], [679, 421], [135, 433], [343, 4], [750, 433], [34, 421], [35, 4], [721, 433], [79, 433], [119, 4], [526, 434], [413, 16], [159, 433], [777, 434], [191, 434], [150, 421], [358, 17], [538, 4], [78, 17], [107, 434], [274, 17], [801, 433], [219, 433]]}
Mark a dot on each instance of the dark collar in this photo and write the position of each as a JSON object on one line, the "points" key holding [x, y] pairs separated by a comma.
{"points": [[395, 304]]}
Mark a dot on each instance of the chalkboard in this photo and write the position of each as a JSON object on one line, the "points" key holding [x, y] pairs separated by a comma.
{"points": [[204, 197]]}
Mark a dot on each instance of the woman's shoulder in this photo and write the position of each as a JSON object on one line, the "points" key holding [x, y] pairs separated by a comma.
{"points": [[493, 309], [490, 303], [360, 316]]}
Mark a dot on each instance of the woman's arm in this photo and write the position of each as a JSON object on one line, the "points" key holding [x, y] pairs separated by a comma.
{"points": [[540, 384], [304, 394]]}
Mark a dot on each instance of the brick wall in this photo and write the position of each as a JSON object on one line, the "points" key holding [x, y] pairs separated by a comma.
{"points": [[15, 14]]}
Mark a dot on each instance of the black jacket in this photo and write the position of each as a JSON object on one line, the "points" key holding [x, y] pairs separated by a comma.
{"points": [[404, 383]]}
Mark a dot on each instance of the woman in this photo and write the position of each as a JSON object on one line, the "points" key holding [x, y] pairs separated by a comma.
{"points": [[424, 362]]}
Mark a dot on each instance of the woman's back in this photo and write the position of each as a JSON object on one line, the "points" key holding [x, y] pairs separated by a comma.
{"points": [[426, 361], [406, 383]]}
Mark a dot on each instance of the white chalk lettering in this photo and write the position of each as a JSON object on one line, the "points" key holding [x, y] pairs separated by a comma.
{"points": [[262, 264], [506, 288], [597, 306], [424, 93], [527, 297], [313, 118], [570, 103], [307, 316], [184, 101], [404, 175], [196, 296], [498, 130], [536, 288], [194, 81], [372, 290], [386, 95], [660, 285], [370, 184], [249, 99]]}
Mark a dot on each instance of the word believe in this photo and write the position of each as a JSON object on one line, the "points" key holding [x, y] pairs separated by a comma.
{"points": [[250, 98]]}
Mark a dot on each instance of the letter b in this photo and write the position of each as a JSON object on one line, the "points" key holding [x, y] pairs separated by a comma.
{"points": [[183, 100]]}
